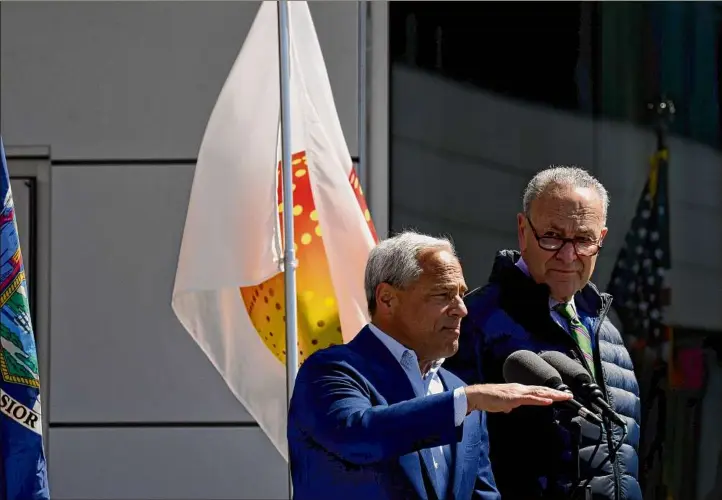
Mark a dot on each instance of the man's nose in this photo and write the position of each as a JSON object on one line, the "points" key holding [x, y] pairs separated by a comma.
{"points": [[459, 309], [567, 253]]}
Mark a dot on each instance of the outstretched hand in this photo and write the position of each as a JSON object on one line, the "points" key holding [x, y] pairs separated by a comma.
{"points": [[505, 397]]}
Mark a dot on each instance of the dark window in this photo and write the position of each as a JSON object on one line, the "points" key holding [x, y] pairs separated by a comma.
{"points": [[719, 73], [525, 50]]}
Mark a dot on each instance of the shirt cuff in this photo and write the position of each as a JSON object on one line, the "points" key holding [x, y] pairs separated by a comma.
{"points": [[460, 406]]}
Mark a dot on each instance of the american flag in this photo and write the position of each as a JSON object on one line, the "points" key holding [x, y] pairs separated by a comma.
{"points": [[638, 279]]}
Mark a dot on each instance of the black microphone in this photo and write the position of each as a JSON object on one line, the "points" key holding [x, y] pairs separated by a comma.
{"points": [[527, 368], [576, 376]]}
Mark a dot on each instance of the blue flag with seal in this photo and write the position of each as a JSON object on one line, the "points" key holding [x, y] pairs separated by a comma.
{"points": [[23, 471]]}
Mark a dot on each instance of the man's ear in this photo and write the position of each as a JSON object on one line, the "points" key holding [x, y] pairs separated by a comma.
{"points": [[521, 228], [386, 298]]}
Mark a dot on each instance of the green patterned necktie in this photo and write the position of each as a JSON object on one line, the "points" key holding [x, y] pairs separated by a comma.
{"points": [[579, 332]]}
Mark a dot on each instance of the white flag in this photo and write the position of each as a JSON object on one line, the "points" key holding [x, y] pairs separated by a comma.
{"points": [[229, 289]]}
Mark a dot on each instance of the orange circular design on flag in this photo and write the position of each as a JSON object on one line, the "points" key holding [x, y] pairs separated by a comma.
{"points": [[319, 324]]}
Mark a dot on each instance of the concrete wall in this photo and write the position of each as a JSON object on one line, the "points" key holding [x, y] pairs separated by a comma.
{"points": [[120, 92], [461, 157]]}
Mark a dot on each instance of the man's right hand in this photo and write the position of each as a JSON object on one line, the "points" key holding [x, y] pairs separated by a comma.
{"points": [[505, 397]]}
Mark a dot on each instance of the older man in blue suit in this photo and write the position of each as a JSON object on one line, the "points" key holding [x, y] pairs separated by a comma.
{"points": [[378, 418]]}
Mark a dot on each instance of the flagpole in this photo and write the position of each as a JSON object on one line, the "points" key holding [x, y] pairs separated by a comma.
{"points": [[289, 254], [663, 110], [362, 170]]}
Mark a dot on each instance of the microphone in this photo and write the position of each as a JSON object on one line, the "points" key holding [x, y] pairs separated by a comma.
{"points": [[574, 374], [527, 368]]}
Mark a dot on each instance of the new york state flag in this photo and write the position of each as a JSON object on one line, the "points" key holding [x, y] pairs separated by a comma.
{"points": [[23, 473]]}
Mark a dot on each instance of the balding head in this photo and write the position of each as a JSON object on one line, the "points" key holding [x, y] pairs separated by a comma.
{"points": [[562, 227]]}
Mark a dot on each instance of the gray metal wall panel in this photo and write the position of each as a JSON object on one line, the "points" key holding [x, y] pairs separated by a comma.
{"points": [[97, 80], [118, 353], [165, 464]]}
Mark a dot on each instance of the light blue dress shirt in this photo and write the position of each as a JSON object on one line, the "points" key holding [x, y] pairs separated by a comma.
{"points": [[425, 385]]}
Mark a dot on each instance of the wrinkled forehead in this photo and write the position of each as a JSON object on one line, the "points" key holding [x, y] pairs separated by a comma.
{"points": [[439, 267], [569, 209]]}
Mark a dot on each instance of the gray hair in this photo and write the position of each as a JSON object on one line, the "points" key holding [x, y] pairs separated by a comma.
{"points": [[396, 261], [562, 175]]}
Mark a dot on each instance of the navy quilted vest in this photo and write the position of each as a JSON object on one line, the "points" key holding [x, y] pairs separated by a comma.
{"points": [[542, 452]]}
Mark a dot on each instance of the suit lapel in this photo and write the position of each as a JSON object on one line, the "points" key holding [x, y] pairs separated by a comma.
{"points": [[428, 460], [382, 369], [388, 378]]}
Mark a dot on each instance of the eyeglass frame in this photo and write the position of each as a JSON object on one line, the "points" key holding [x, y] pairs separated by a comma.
{"points": [[598, 243]]}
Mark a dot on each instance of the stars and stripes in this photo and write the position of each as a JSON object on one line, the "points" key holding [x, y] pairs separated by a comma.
{"points": [[638, 279]]}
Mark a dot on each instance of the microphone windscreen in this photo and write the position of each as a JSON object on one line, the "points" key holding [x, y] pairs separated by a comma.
{"points": [[527, 368], [572, 372]]}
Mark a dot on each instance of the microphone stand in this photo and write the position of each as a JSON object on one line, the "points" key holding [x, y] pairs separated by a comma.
{"points": [[607, 431], [573, 425]]}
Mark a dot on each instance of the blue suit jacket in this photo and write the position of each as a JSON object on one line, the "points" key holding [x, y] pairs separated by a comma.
{"points": [[357, 431]]}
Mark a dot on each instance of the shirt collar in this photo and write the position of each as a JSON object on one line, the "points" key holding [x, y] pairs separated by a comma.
{"points": [[397, 349], [552, 302]]}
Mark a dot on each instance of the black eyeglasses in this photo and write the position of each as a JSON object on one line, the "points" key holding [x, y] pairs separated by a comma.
{"points": [[583, 247]]}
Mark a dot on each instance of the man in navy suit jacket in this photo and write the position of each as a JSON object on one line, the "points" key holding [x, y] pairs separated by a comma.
{"points": [[378, 418]]}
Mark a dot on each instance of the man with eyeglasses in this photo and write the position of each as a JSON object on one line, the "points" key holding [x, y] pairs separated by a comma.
{"points": [[540, 299]]}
